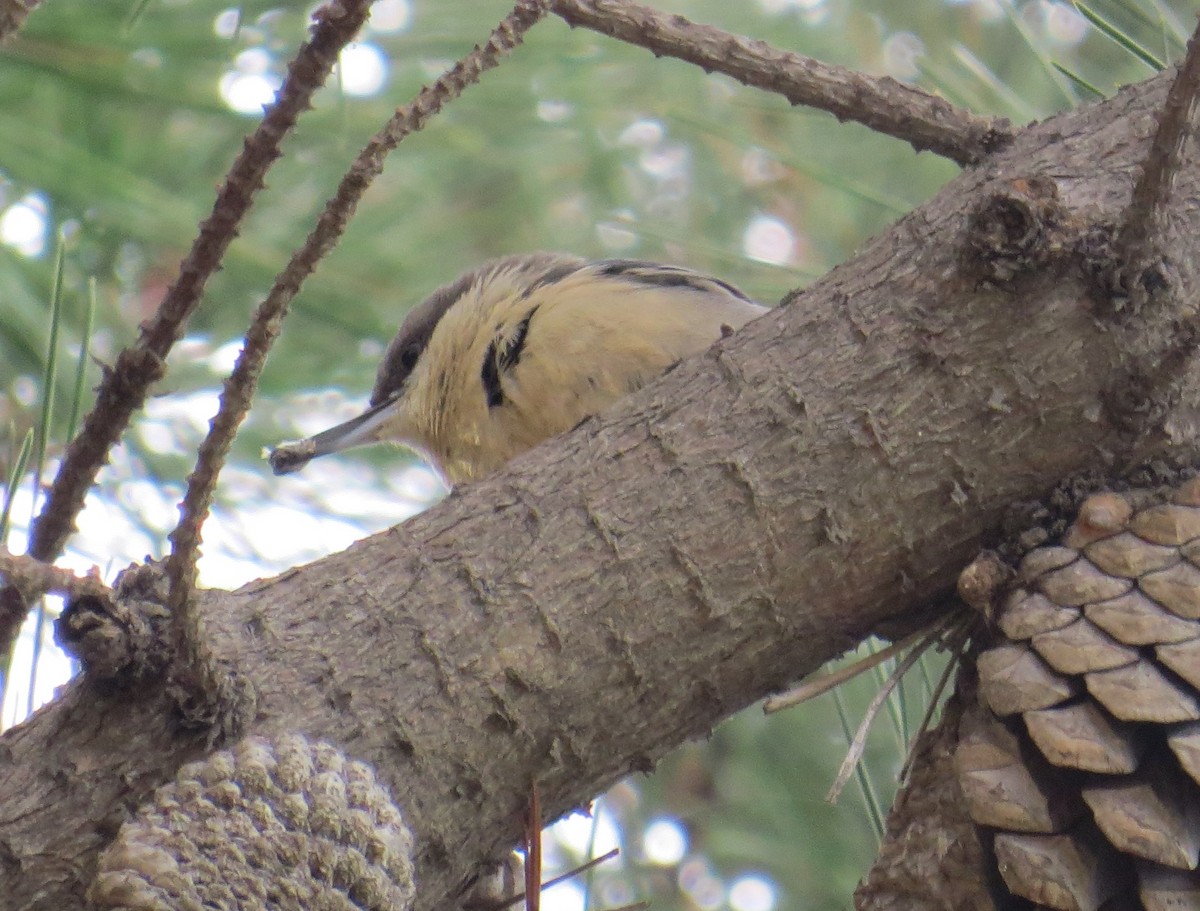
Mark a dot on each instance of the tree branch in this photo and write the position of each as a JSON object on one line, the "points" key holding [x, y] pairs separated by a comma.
{"points": [[197, 671], [125, 386], [825, 471], [32, 578], [1144, 227], [925, 121]]}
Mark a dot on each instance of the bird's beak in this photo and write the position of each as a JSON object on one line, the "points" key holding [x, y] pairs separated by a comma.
{"points": [[358, 431]]}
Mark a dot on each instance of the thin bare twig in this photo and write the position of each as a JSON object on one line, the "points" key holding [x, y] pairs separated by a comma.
{"points": [[13, 610], [13, 14], [124, 386], [1137, 397], [883, 104], [33, 578], [1141, 235], [197, 671]]}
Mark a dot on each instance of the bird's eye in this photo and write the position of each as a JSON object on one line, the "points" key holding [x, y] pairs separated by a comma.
{"points": [[409, 356]]}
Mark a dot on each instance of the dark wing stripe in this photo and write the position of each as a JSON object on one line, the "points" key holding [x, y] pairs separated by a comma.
{"points": [[502, 355], [510, 354], [661, 276], [552, 275], [736, 292], [489, 374]]}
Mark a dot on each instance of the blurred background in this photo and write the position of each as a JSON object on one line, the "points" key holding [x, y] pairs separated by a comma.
{"points": [[118, 120]]}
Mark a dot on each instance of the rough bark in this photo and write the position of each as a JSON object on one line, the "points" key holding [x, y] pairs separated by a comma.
{"points": [[826, 471]]}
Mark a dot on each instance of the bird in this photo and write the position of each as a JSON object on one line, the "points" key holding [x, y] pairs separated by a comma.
{"points": [[523, 348]]}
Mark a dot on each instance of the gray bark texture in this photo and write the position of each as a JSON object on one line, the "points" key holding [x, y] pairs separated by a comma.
{"points": [[821, 474]]}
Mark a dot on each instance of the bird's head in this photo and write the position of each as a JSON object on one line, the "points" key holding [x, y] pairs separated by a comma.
{"points": [[393, 414]]}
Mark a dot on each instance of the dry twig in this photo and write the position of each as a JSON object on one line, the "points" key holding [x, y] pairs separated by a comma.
{"points": [[533, 850], [124, 387], [883, 104], [816, 686], [1140, 233], [511, 900], [955, 646], [1136, 399]]}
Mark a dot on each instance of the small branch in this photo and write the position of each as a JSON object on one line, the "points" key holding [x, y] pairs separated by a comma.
{"points": [[197, 672], [30, 579], [1140, 241], [13, 610], [124, 387], [13, 14], [883, 104]]}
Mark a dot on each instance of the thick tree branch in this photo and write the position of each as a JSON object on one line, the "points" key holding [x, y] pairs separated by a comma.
{"points": [[827, 470], [883, 104]]}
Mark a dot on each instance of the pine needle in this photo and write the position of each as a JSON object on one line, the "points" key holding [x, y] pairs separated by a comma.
{"points": [[859, 743], [812, 688], [89, 322]]}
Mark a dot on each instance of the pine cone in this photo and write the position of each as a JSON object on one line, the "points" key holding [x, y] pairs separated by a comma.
{"points": [[289, 824], [1083, 762]]}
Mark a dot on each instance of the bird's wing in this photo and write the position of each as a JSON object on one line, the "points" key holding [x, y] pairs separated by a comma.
{"points": [[573, 347]]}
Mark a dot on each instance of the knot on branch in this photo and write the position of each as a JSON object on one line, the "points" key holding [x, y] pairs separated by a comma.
{"points": [[126, 638], [123, 638], [288, 822], [1118, 284], [997, 136], [1014, 231], [1139, 399], [1133, 284], [216, 700]]}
